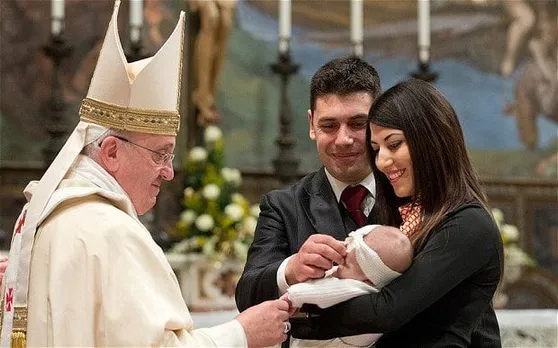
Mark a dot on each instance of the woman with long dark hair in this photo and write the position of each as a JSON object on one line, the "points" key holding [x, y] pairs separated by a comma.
{"points": [[426, 185]]}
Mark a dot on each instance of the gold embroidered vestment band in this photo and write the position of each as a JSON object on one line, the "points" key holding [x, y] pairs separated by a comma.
{"points": [[129, 119]]}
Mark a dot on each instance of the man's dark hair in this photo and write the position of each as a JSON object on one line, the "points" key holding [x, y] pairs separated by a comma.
{"points": [[343, 76]]}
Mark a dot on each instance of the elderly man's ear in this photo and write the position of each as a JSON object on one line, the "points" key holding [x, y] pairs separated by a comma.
{"points": [[109, 154]]}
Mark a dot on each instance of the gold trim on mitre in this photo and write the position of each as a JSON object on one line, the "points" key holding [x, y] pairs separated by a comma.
{"points": [[142, 96], [129, 119]]}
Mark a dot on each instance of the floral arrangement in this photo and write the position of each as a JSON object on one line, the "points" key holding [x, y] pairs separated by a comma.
{"points": [[514, 257], [217, 220]]}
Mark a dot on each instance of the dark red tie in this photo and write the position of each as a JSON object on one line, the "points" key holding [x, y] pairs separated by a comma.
{"points": [[353, 196]]}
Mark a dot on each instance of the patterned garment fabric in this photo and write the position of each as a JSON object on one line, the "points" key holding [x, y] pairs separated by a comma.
{"points": [[411, 213]]}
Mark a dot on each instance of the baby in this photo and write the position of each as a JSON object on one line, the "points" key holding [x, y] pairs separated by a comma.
{"points": [[375, 256]]}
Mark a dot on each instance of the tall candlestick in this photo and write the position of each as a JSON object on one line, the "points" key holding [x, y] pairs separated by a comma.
{"points": [[424, 72], [284, 25], [136, 20], [357, 27], [424, 30], [56, 17]]}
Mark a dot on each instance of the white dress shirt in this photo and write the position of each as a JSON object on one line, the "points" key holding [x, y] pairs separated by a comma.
{"points": [[338, 186]]}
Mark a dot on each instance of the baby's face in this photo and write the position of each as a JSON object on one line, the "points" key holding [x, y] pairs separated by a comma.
{"points": [[351, 269]]}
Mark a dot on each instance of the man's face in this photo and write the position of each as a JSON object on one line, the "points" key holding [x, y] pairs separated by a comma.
{"points": [[338, 125], [140, 171]]}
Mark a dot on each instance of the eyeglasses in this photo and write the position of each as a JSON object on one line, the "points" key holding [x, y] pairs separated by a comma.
{"points": [[160, 158]]}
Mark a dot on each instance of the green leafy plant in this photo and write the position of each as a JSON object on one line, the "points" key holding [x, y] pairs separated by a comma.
{"points": [[216, 220]]}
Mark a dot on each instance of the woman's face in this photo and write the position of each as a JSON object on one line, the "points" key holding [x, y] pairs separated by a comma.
{"points": [[392, 157]]}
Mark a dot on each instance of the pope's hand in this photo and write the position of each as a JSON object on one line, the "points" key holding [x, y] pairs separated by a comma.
{"points": [[314, 258], [265, 324]]}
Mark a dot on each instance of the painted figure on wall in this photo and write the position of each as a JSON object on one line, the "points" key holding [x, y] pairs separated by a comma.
{"points": [[216, 18], [536, 89], [156, 12], [522, 17]]}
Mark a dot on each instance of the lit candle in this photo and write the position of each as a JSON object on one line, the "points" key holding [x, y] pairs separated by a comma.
{"points": [[56, 16], [136, 20], [424, 30], [356, 27], [284, 25]]}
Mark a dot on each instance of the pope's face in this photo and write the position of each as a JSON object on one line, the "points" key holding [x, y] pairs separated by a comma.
{"points": [[338, 125], [141, 172]]}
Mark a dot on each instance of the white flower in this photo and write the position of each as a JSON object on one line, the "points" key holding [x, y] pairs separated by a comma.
{"points": [[205, 222], [209, 246], [198, 154], [232, 176], [237, 198], [255, 210], [211, 191], [514, 258], [212, 134], [237, 177], [249, 224], [188, 217], [181, 247], [498, 216], [226, 174], [188, 192], [514, 255], [234, 211], [240, 250], [510, 233]]}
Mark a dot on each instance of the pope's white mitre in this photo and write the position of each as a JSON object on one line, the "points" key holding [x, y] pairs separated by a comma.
{"points": [[141, 97]]}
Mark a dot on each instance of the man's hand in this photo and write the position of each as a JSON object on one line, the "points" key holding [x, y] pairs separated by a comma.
{"points": [[314, 258], [264, 324]]}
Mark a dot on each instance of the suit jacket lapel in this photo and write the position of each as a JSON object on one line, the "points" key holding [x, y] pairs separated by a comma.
{"points": [[372, 218], [321, 207]]}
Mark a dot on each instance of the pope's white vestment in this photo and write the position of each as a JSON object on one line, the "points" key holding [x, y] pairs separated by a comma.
{"points": [[98, 278]]}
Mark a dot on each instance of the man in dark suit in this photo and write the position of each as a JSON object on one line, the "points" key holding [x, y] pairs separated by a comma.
{"points": [[300, 228]]}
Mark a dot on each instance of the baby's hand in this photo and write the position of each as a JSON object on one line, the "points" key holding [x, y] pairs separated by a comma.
{"points": [[292, 309], [334, 273]]}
